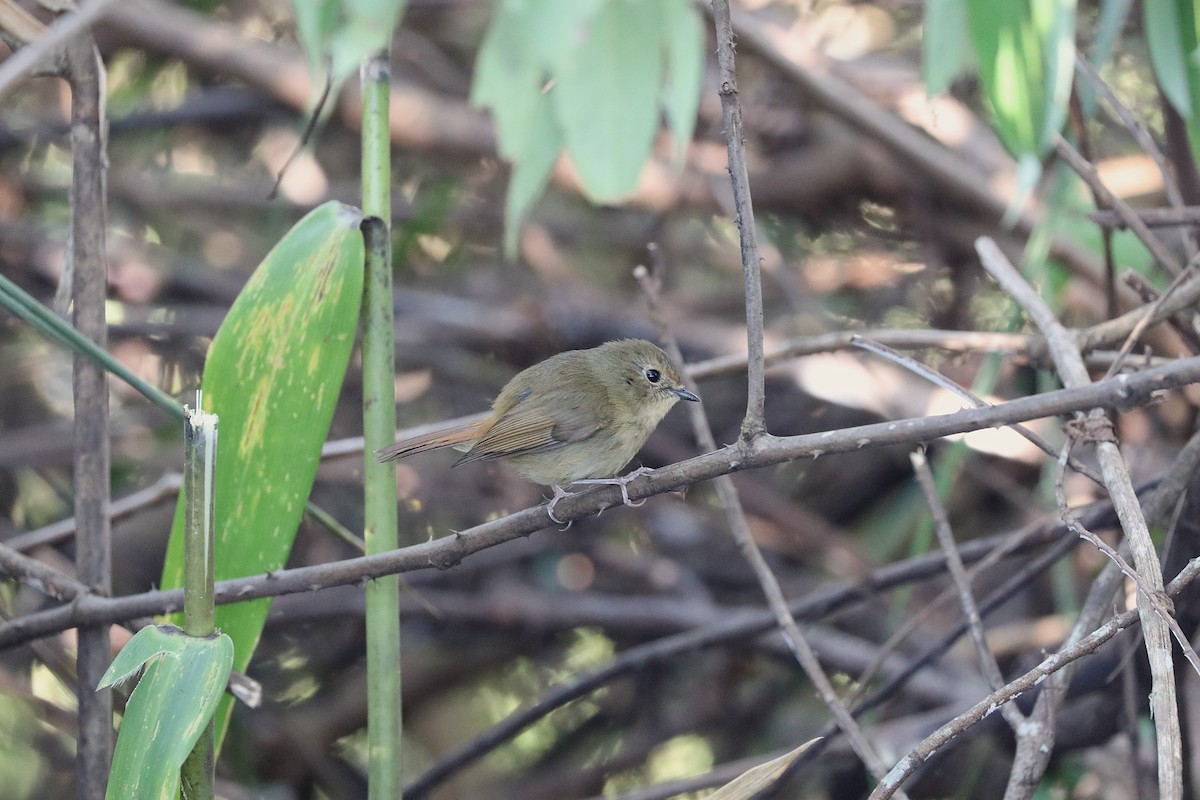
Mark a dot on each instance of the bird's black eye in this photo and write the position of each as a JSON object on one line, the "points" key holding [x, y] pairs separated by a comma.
{"points": [[653, 375]]}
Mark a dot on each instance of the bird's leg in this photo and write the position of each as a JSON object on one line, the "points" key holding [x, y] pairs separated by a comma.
{"points": [[559, 494], [623, 481]]}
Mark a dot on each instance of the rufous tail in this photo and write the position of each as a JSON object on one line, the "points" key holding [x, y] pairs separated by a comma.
{"points": [[464, 434]]}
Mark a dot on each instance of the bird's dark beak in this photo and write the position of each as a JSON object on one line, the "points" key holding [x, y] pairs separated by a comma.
{"points": [[684, 394]]}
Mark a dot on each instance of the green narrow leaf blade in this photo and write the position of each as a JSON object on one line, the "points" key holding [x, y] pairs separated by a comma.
{"points": [[148, 643], [1054, 25], [946, 50], [316, 22], [683, 46], [1173, 37], [1025, 51], [273, 375], [1165, 38], [531, 171]]}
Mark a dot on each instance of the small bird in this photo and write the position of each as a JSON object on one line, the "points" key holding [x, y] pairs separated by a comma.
{"points": [[577, 417]]}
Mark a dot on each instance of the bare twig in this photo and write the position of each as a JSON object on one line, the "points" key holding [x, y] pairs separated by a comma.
{"points": [[43, 577], [1156, 601], [1124, 390], [1087, 171], [1186, 216], [1015, 688], [1150, 312], [165, 487], [958, 573], [1158, 503], [64, 29], [731, 111], [1116, 478], [1029, 732], [1115, 330], [744, 625], [970, 397], [1149, 294]]}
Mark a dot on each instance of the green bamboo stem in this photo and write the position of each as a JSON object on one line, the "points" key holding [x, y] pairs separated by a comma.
{"points": [[199, 613], [379, 426]]}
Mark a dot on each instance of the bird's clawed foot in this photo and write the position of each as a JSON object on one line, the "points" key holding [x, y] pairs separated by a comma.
{"points": [[623, 481], [559, 494]]}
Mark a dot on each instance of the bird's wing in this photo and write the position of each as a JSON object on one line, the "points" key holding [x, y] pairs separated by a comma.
{"points": [[520, 432]]}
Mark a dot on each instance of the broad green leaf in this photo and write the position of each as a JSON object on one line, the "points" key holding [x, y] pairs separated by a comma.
{"points": [[553, 27], [1173, 38], [947, 51], [607, 67], [683, 47], [273, 375], [606, 97], [509, 77], [183, 682]]}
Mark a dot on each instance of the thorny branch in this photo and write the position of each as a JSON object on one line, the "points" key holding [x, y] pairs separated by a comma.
{"points": [[1123, 391]]}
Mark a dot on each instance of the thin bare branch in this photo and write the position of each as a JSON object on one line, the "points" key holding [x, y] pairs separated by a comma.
{"points": [[1124, 390], [966, 394], [1013, 689], [65, 28], [1116, 477], [731, 111], [1087, 171]]}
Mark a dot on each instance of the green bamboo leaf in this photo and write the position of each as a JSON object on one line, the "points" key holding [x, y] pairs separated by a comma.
{"points": [[1109, 23], [316, 21], [1166, 39], [553, 27], [338, 34], [683, 47], [947, 51], [606, 97], [531, 169], [1026, 52], [509, 75], [273, 375], [1173, 39], [183, 681], [607, 67]]}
